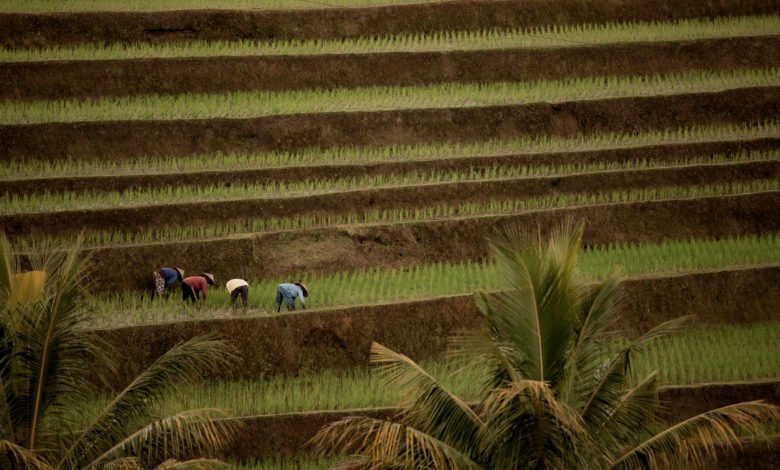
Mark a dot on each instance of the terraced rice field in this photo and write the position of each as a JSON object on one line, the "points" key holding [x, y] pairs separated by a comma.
{"points": [[368, 148]]}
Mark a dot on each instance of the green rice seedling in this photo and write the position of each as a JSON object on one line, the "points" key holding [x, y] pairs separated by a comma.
{"points": [[264, 103], [344, 289], [492, 208], [69, 200], [43, 6], [718, 354], [14, 170], [579, 35]]}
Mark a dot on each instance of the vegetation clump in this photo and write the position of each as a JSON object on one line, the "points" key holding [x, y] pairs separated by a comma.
{"points": [[554, 398], [47, 364]]}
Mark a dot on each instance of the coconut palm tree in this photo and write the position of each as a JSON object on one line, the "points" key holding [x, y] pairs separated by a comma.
{"points": [[47, 365], [554, 398]]}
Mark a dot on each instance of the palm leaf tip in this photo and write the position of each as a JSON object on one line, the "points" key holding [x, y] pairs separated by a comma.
{"points": [[696, 440]]}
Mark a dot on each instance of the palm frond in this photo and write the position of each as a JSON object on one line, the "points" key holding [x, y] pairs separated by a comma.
{"points": [[534, 314], [693, 441], [181, 365], [194, 464], [387, 444], [626, 418], [482, 348], [124, 463], [594, 324], [527, 427], [181, 435], [16, 456], [432, 407], [47, 359]]}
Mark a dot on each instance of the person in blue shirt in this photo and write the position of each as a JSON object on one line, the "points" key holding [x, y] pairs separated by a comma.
{"points": [[164, 278], [290, 292]]}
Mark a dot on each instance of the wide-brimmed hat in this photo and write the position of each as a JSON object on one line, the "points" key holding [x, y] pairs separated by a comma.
{"points": [[180, 271], [303, 288], [208, 276]]}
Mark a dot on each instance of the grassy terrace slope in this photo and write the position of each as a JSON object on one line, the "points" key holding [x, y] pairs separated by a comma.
{"points": [[97, 70], [41, 176], [278, 254], [68, 26], [68, 212], [138, 138]]}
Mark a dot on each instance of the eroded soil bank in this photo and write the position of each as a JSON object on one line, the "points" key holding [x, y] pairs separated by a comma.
{"points": [[287, 434], [282, 255], [150, 216], [47, 29], [650, 153], [95, 79], [128, 139], [291, 344]]}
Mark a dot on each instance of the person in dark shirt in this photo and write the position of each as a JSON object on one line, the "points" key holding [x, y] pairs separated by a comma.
{"points": [[195, 287], [165, 278]]}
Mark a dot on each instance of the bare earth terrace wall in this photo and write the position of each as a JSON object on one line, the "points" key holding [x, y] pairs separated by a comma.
{"points": [[25, 30], [89, 78], [284, 254], [650, 153], [290, 344], [170, 214], [287, 434], [129, 139]]}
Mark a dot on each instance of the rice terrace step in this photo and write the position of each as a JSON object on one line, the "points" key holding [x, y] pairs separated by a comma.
{"points": [[369, 148]]}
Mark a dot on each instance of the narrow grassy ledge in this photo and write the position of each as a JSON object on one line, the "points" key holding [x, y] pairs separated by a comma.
{"points": [[378, 286], [700, 140], [232, 173], [247, 105], [96, 79], [281, 206], [723, 353], [464, 125], [113, 26], [547, 36], [291, 344], [286, 435], [759, 163], [280, 255]]}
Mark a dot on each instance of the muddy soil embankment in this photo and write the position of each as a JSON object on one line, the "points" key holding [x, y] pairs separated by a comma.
{"points": [[48, 29], [100, 78], [150, 216], [128, 139], [292, 344], [287, 434], [282, 255], [649, 153]]}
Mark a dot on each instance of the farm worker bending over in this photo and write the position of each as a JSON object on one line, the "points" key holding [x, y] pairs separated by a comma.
{"points": [[194, 286], [238, 287], [290, 292], [164, 278]]}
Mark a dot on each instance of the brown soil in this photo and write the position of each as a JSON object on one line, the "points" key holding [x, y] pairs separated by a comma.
{"points": [[650, 153], [27, 30], [86, 140], [287, 434], [82, 79], [135, 218], [341, 338], [285, 254]]}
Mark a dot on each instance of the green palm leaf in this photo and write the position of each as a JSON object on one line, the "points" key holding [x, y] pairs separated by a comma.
{"points": [[180, 366], [696, 439], [182, 434], [432, 408]]}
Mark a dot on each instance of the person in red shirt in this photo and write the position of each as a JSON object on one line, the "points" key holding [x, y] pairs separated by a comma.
{"points": [[193, 287]]}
